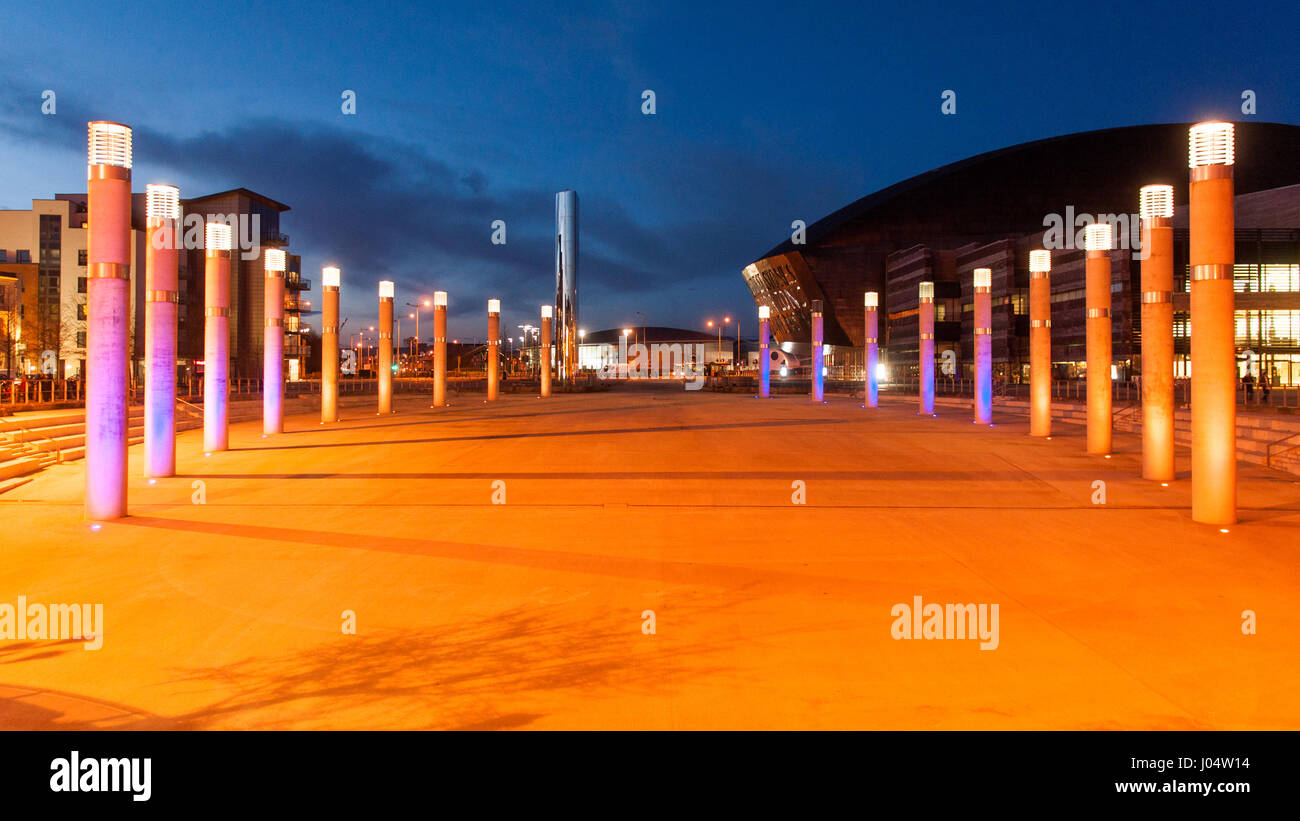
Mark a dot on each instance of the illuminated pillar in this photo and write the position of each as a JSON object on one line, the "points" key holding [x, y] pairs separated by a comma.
{"points": [[216, 336], [163, 213], [546, 350], [385, 366], [764, 355], [1097, 241], [925, 317], [1214, 365], [871, 388], [566, 284], [983, 346], [329, 345], [493, 347], [439, 349], [1040, 343], [818, 352], [108, 302], [1156, 207], [274, 260]]}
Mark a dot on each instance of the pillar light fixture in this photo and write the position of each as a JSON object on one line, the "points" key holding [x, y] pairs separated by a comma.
{"points": [[983, 277], [329, 276], [1211, 143], [1040, 262], [871, 299], [764, 312], [216, 236], [926, 290], [547, 311], [1097, 237], [1156, 201], [494, 306], [275, 259], [385, 289], [109, 144], [440, 299], [162, 202]]}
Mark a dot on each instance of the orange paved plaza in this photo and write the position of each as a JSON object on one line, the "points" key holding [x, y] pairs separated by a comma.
{"points": [[531, 613]]}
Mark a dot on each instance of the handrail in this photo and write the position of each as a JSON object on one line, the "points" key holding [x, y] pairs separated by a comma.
{"points": [[58, 451], [1268, 450]]}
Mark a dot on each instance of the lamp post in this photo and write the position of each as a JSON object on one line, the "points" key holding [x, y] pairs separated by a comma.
{"points": [[818, 355], [439, 349], [983, 278], [385, 352], [764, 358], [1040, 343], [416, 316], [1097, 242], [273, 343], [871, 386], [925, 320], [162, 206], [1212, 253], [493, 347], [1156, 207], [108, 290], [546, 350], [329, 345], [216, 337]]}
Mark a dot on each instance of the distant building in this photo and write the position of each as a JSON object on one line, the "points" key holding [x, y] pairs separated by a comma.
{"points": [[990, 211], [44, 248]]}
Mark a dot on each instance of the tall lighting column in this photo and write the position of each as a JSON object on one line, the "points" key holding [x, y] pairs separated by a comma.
{"points": [[108, 298], [1214, 367], [439, 349], [764, 355], [871, 386], [274, 261], [925, 319], [983, 346], [1097, 242], [1040, 343], [331, 279], [216, 337], [385, 352], [1156, 207], [566, 284], [493, 348], [163, 213], [545, 353]]}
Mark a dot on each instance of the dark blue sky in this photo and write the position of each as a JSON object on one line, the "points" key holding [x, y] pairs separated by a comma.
{"points": [[471, 112]]}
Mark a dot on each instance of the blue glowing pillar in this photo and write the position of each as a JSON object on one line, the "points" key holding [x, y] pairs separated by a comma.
{"points": [[818, 358], [872, 392], [764, 356], [983, 346], [925, 315]]}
